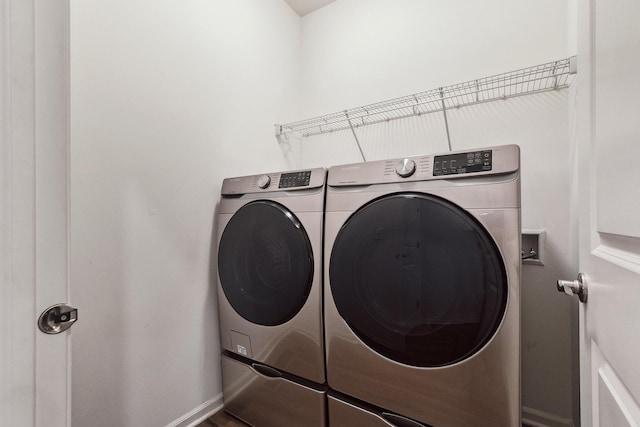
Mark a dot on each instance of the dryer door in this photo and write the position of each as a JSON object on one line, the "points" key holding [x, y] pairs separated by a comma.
{"points": [[418, 279], [265, 263]]}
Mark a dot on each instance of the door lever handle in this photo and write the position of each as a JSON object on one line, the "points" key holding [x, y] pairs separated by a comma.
{"points": [[57, 318], [577, 287]]}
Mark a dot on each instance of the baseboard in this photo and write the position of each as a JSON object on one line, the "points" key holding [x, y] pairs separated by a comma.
{"points": [[535, 418], [199, 414]]}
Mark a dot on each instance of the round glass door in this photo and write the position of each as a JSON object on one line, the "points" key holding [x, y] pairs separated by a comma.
{"points": [[265, 263], [418, 279]]}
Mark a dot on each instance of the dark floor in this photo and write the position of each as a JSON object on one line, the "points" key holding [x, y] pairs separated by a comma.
{"points": [[222, 419]]}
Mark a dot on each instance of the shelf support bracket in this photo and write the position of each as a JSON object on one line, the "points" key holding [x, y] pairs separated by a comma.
{"points": [[444, 112], [353, 131]]}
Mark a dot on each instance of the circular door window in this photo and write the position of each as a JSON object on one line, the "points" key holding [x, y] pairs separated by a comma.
{"points": [[265, 263], [418, 279]]}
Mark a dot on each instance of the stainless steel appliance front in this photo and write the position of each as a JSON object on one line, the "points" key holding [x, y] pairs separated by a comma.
{"points": [[269, 270], [422, 286], [270, 401]]}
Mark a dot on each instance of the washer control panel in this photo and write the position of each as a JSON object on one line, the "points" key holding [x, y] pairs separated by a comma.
{"points": [[295, 179], [278, 181]]}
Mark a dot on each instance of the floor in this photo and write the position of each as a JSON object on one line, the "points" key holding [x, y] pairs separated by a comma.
{"points": [[222, 419]]}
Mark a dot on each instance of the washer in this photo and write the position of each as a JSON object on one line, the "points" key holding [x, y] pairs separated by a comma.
{"points": [[270, 293], [422, 290]]}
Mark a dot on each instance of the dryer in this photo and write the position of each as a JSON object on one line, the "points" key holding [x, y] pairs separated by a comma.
{"points": [[270, 296], [422, 289]]}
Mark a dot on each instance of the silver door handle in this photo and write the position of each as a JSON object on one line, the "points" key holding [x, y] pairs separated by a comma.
{"points": [[57, 318], [575, 287]]}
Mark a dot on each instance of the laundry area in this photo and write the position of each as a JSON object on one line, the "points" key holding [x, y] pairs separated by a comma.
{"points": [[321, 213]]}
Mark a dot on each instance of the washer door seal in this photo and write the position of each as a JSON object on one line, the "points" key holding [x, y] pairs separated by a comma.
{"points": [[418, 279], [265, 263]]}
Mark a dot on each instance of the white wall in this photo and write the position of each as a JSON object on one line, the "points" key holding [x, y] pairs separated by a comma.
{"points": [[170, 97], [167, 98], [357, 52]]}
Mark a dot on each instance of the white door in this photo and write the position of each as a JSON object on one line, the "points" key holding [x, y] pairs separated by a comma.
{"points": [[34, 366], [608, 135]]}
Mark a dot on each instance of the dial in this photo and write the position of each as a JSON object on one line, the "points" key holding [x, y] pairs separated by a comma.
{"points": [[406, 168], [264, 181]]}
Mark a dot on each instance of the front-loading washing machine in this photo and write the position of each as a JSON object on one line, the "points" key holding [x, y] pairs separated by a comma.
{"points": [[422, 290], [270, 229]]}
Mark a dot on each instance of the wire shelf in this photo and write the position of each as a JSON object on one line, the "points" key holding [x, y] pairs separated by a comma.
{"points": [[540, 78]]}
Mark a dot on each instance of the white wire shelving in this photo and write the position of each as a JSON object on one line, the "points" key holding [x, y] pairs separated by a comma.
{"points": [[540, 78]]}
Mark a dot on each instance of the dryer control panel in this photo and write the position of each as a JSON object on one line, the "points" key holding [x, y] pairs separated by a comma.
{"points": [[452, 164], [484, 161]]}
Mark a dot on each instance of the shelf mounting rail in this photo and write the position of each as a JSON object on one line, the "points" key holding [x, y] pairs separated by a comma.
{"points": [[540, 78]]}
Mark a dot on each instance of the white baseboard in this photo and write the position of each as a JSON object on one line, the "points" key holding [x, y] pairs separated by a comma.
{"points": [[536, 418], [199, 414]]}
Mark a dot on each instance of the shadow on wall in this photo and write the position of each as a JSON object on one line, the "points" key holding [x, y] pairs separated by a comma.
{"points": [[213, 353]]}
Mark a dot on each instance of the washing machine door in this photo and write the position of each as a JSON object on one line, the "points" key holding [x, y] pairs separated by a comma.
{"points": [[265, 263], [418, 279]]}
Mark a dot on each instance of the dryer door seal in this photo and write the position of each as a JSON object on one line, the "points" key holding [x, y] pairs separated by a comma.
{"points": [[265, 263], [418, 279]]}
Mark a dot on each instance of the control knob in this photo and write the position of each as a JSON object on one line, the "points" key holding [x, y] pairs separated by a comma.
{"points": [[406, 168], [264, 181]]}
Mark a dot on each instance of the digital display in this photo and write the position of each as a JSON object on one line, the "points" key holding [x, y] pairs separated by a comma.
{"points": [[295, 179], [453, 164]]}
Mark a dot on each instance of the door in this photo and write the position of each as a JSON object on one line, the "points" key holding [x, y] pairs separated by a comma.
{"points": [[34, 366], [608, 135], [265, 263], [437, 313]]}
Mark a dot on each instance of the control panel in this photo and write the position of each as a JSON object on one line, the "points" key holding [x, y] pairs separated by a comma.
{"points": [[484, 161], [452, 164], [295, 179], [279, 181]]}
